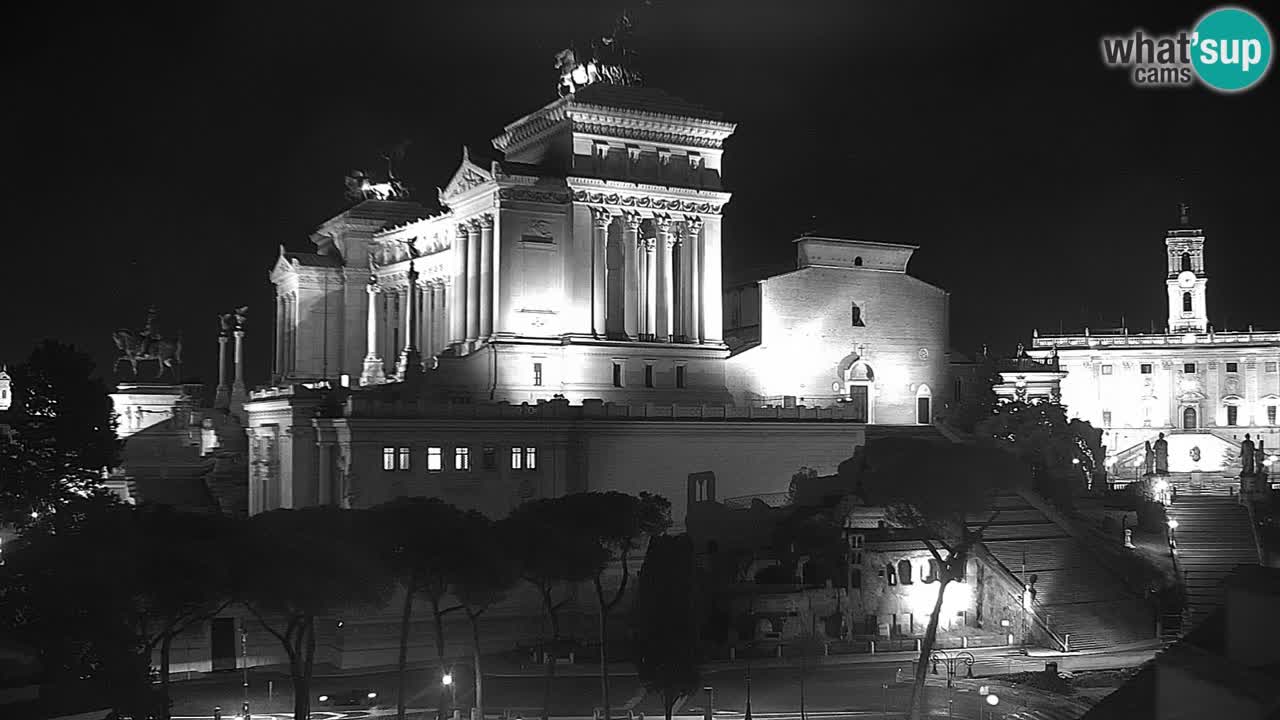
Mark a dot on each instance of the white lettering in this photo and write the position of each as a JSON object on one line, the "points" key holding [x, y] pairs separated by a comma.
{"points": [[1252, 54], [1209, 51]]}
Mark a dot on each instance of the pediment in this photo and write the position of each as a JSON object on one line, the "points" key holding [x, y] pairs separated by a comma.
{"points": [[468, 176], [282, 268]]}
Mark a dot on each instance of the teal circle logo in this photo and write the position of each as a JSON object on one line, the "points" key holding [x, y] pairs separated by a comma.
{"points": [[1231, 49]]}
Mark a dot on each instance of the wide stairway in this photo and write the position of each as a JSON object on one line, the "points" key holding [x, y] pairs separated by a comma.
{"points": [[1075, 592], [1213, 537], [1204, 483]]}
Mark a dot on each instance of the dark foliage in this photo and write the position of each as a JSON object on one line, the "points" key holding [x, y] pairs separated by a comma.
{"points": [[667, 652]]}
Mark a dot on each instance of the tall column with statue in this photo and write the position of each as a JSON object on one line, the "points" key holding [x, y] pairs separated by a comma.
{"points": [[222, 396], [238, 394], [410, 358], [373, 373]]}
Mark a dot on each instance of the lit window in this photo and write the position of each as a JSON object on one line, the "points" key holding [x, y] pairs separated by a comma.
{"points": [[517, 457], [617, 374], [462, 458], [537, 374], [1271, 414], [530, 458], [435, 461], [890, 575], [856, 313], [388, 458], [858, 540], [1232, 415], [1233, 367], [404, 458], [1186, 302], [1189, 368], [1106, 418], [1269, 367], [1145, 368], [1106, 369], [648, 376], [904, 572], [489, 457], [680, 376]]}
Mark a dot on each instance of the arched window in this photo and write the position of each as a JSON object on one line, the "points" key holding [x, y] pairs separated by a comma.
{"points": [[856, 312], [857, 262], [904, 572], [1186, 302], [890, 575], [1186, 261], [932, 573]]}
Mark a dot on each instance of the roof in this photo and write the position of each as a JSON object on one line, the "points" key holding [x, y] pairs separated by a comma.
{"points": [[644, 99], [393, 212], [313, 259]]}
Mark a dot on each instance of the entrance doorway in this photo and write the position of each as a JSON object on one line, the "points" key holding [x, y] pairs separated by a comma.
{"points": [[923, 414], [859, 402], [222, 643], [1189, 418]]}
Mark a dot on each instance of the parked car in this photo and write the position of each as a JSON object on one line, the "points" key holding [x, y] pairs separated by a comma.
{"points": [[359, 697]]}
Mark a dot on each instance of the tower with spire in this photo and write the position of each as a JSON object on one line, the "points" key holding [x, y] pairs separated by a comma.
{"points": [[1186, 279]]}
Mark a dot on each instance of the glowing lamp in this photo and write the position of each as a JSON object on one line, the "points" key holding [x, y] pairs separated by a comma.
{"points": [[993, 699], [1075, 461], [447, 679], [324, 698], [1173, 524], [1161, 485], [372, 695], [984, 690], [1005, 623]]}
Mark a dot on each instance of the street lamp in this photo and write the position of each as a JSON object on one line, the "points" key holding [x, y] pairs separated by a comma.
{"points": [[952, 663], [885, 688], [446, 680], [244, 658], [992, 700]]}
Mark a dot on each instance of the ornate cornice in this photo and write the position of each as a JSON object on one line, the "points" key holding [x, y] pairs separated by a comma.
{"points": [[558, 197], [647, 202], [657, 133], [530, 126]]}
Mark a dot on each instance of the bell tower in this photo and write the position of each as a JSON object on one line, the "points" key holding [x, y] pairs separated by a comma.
{"points": [[1188, 309]]}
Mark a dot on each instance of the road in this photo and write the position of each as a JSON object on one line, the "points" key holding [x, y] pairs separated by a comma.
{"points": [[866, 689]]}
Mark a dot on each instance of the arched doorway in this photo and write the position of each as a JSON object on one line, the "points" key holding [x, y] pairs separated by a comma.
{"points": [[924, 405], [859, 381], [1189, 418]]}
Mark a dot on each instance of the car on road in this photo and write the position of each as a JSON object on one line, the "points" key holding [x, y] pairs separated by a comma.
{"points": [[354, 698]]}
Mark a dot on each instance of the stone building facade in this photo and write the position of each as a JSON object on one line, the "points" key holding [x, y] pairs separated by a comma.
{"points": [[1205, 389]]}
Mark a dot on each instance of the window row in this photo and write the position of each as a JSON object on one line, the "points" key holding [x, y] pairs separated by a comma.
{"points": [[903, 572], [1190, 368], [521, 458], [619, 375]]}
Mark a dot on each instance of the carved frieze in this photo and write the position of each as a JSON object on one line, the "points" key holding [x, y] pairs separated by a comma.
{"points": [[525, 194], [646, 134], [644, 201]]}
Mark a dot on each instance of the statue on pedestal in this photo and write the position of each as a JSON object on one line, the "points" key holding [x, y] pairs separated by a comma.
{"points": [[1248, 457], [1149, 460], [136, 346], [1162, 455]]}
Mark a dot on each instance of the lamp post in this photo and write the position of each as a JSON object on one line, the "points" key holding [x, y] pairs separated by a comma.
{"points": [[885, 688], [447, 680], [244, 661], [1173, 542], [992, 700], [710, 691], [747, 714], [952, 663]]}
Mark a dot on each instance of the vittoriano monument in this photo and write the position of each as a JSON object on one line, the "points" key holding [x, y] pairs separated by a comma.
{"points": [[148, 344]]}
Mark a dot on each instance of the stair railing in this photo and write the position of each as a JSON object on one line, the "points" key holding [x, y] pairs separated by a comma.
{"points": [[1030, 612]]}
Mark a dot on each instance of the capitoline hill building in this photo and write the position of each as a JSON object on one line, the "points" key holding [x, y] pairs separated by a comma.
{"points": [[1203, 388], [559, 325]]}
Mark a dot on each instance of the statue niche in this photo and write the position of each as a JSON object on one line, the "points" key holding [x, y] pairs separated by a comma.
{"points": [[147, 344]]}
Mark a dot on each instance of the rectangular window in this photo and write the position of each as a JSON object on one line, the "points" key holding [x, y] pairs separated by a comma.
{"points": [[1269, 367], [530, 458], [435, 459], [1106, 369], [388, 458], [1145, 368], [517, 457], [404, 459], [648, 376], [537, 374], [1271, 414], [617, 374], [680, 376], [1232, 414], [1189, 368], [1233, 367], [1106, 418], [462, 458], [489, 457]]}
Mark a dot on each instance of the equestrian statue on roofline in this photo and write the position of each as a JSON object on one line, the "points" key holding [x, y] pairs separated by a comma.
{"points": [[137, 346]]}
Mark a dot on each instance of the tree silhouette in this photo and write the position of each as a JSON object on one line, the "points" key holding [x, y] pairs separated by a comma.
{"points": [[1063, 455], [944, 491], [484, 578], [305, 564], [667, 652]]}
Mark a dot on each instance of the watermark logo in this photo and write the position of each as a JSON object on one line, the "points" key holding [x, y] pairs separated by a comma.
{"points": [[1228, 51]]}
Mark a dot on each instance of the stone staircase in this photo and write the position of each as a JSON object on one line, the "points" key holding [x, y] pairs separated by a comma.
{"points": [[1075, 592], [1213, 536], [1204, 483]]}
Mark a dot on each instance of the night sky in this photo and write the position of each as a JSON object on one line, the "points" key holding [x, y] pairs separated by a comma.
{"points": [[161, 155]]}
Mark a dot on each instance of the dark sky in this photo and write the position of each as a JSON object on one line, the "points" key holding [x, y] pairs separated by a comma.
{"points": [[161, 155]]}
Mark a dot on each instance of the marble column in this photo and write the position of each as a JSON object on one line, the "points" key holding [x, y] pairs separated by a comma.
{"points": [[221, 397], [662, 224], [650, 288], [486, 276], [631, 274], [600, 219], [694, 243], [458, 300], [680, 291], [712, 297], [428, 319], [372, 374], [324, 494], [473, 283], [279, 336], [410, 359], [443, 310], [238, 393]]}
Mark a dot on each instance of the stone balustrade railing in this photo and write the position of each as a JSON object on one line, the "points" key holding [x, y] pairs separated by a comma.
{"points": [[357, 406], [1159, 339]]}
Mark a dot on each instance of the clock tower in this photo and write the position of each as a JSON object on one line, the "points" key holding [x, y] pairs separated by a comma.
{"points": [[1188, 311]]}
